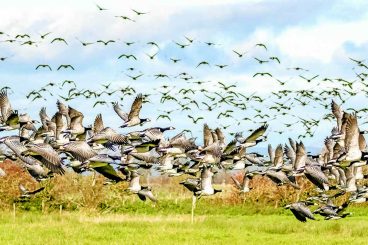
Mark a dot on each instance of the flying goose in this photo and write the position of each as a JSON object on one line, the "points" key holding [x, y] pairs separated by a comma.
{"points": [[146, 192], [64, 110], [25, 193], [316, 176], [102, 164], [277, 158], [353, 152], [45, 154], [206, 188], [338, 113], [5, 106], [98, 124], [76, 128], [131, 119], [280, 178], [244, 186], [254, 138], [134, 183], [33, 166], [300, 156], [331, 211], [300, 211], [155, 133], [80, 150], [108, 136]]}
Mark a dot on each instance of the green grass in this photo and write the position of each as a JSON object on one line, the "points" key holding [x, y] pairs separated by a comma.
{"points": [[87, 228]]}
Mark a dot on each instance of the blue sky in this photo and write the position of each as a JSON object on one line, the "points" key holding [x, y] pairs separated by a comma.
{"points": [[317, 35]]}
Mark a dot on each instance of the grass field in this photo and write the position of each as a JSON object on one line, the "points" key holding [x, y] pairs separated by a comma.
{"points": [[87, 228]]}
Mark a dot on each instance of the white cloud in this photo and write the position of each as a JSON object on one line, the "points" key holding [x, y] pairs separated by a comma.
{"points": [[321, 41]]}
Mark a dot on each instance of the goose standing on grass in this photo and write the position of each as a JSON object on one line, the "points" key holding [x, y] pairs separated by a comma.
{"points": [[131, 119]]}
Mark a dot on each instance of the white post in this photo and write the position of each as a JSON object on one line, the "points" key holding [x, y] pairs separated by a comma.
{"points": [[194, 199]]}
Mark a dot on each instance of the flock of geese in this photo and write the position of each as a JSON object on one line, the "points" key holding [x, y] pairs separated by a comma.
{"points": [[63, 142], [185, 88]]}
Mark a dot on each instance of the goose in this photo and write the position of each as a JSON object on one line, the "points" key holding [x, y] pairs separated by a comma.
{"points": [[315, 175], [244, 186], [134, 183], [254, 138], [32, 166], [18, 121], [206, 188], [6, 109], [108, 136], [98, 124], [212, 154], [45, 154], [64, 110], [44, 118], [330, 211], [146, 192], [280, 178], [102, 164], [155, 133], [25, 193], [352, 150], [220, 136], [177, 145], [79, 150], [271, 153], [131, 119], [277, 159], [300, 211], [300, 156], [338, 113], [142, 147], [76, 129], [55, 127]]}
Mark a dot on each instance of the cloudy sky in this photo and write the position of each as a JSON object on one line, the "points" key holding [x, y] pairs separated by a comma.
{"points": [[317, 35]]}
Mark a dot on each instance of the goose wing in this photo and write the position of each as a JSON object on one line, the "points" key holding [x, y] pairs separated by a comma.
{"points": [[256, 133], [279, 156], [136, 107], [352, 133], [271, 153], [98, 124], [120, 112], [50, 158], [5, 106], [207, 135], [80, 150], [338, 113]]}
